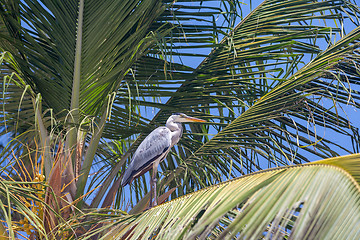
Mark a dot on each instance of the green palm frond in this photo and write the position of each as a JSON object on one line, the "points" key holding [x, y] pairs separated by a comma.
{"points": [[89, 76], [70, 56], [267, 204], [282, 103], [287, 95], [50, 48], [17, 113], [263, 97]]}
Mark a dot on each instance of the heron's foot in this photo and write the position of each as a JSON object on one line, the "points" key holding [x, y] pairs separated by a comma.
{"points": [[151, 204]]}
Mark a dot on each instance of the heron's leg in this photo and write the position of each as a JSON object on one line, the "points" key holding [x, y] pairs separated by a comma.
{"points": [[155, 191], [151, 192], [154, 180]]}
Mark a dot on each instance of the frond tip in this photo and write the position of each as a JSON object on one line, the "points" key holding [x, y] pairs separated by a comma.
{"points": [[312, 201]]}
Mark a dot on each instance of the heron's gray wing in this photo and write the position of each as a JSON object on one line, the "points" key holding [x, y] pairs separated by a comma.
{"points": [[155, 146]]}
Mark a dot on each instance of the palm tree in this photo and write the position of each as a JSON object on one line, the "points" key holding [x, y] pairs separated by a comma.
{"points": [[85, 82]]}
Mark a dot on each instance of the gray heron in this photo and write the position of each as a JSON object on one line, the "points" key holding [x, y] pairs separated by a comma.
{"points": [[154, 149]]}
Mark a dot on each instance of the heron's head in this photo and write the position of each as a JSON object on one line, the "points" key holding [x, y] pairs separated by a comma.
{"points": [[181, 117]]}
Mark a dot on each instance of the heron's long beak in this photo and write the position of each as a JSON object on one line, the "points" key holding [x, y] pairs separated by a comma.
{"points": [[192, 119]]}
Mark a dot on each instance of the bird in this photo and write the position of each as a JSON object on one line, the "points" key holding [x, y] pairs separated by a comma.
{"points": [[154, 149]]}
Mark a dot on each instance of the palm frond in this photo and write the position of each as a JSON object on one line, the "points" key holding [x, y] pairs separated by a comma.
{"points": [[46, 41], [266, 204], [260, 93]]}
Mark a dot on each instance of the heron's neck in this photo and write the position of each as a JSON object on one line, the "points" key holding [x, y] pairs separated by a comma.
{"points": [[176, 131], [174, 126]]}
